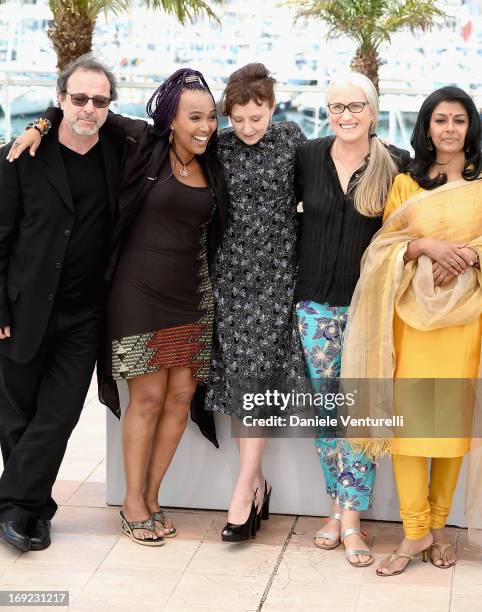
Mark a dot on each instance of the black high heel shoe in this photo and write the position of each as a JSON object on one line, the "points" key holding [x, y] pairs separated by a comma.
{"points": [[239, 533], [264, 510]]}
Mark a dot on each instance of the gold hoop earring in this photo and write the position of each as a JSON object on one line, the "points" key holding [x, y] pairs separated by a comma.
{"points": [[171, 137]]}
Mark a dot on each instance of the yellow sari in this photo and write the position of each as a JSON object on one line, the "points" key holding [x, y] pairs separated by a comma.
{"points": [[446, 352], [400, 326]]}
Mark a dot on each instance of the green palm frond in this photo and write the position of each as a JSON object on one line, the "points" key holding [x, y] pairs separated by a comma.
{"points": [[185, 10], [89, 8], [370, 22], [414, 15]]}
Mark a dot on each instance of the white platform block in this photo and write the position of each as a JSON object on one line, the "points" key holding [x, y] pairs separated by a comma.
{"points": [[202, 476]]}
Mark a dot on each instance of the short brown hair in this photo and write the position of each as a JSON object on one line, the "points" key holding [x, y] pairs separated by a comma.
{"points": [[86, 62], [251, 82]]}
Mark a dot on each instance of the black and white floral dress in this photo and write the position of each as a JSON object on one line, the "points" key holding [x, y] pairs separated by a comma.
{"points": [[256, 344]]}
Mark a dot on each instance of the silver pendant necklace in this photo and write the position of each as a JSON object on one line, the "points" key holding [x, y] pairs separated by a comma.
{"points": [[183, 170]]}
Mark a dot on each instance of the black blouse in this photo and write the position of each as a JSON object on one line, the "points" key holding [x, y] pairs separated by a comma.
{"points": [[334, 235]]}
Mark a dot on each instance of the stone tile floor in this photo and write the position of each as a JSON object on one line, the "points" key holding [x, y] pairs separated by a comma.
{"points": [[278, 571]]}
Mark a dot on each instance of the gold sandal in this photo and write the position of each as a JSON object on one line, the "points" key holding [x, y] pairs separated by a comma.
{"points": [[329, 535], [350, 552], [441, 549], [394, 556], [129, 526], [160, 517]]}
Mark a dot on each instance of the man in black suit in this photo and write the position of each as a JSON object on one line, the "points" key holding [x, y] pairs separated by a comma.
{"points": [[55, 213]]}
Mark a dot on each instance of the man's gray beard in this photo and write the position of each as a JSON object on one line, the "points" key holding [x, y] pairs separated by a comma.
{"points": [[83, 131]]}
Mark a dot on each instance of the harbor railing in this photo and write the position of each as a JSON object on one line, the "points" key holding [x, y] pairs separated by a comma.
{"points": [[24, 95]]}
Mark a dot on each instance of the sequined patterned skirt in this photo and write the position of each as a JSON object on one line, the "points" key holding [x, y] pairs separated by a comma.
{"points": [[186, 346], [174, 299]]}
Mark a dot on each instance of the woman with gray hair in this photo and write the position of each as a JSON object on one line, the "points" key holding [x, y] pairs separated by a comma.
{"points": [[343, 181]]}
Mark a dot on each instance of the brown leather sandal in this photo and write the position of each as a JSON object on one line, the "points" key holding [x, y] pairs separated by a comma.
{"points": [[395, 555], [441, 549]]}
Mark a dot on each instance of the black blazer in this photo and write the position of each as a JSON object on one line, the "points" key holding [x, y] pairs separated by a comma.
{"points": [[36, 220]]}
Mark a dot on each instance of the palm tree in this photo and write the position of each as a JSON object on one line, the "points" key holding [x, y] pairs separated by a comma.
{"points": [[370, 23], [74, 21]]}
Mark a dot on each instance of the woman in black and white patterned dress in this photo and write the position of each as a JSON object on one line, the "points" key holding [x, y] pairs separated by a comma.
{"points": [[256, 345]]}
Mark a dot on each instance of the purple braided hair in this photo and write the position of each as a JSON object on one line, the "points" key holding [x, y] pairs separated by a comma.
{"points": [[163, 103]]}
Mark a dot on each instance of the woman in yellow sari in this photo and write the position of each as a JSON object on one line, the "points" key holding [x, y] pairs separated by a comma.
{"points": [[416, 314]]}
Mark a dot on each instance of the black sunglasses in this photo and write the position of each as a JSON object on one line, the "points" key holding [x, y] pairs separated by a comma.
{"points": [[80, 99]]}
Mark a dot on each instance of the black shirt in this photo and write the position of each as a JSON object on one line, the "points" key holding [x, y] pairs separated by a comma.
{"points": [[334, 235], [83, 266]]}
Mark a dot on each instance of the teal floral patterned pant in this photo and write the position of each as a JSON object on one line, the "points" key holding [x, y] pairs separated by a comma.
{"points": [[349, 476]]}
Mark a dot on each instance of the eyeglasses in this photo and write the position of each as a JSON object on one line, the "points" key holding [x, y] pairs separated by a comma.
{"points": [[354, 107], [80, 99]]}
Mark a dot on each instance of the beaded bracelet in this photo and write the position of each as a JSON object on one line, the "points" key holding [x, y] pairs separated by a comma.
{"points": [[40, 124]]}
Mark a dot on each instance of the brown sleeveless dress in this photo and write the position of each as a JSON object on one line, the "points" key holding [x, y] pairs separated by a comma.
{"points": [[160, 307]]}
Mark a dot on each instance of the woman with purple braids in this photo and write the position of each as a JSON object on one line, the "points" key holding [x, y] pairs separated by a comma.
{"points": [[160, 307]]}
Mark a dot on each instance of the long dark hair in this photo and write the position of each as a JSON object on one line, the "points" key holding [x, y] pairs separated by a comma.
{"points": [[425, 153], [163, 103]]}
